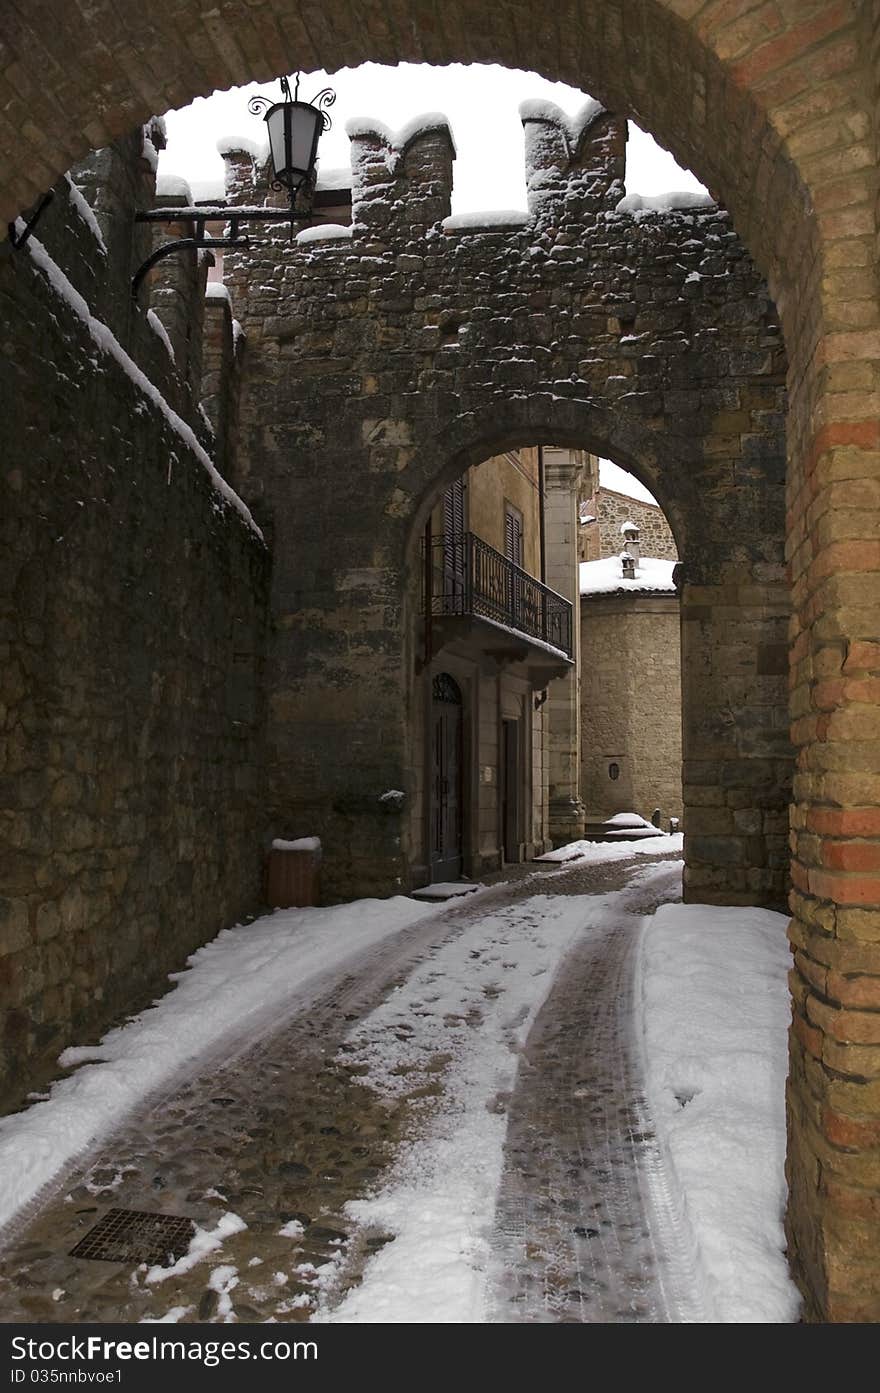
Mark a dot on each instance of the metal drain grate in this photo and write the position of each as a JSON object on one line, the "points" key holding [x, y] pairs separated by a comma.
{"points": [[131, 1235]]}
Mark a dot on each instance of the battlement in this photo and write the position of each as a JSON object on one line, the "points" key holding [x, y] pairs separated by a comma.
{"points": [[400, 184], [573, 165]]}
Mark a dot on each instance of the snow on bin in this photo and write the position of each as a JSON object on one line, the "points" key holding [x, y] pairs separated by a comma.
{"points": [[293, 877]]}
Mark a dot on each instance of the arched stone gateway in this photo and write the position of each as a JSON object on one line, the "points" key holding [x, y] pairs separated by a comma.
{"points": [[776, 108], [391, 358]]}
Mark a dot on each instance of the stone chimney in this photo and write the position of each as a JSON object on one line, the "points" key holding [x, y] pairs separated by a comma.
{"points": [[631, 550]]}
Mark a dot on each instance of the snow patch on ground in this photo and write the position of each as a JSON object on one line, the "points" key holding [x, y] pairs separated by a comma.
{"points": [[468, 1010], [661, 845], [241, 983], [201, 1245], [716, 1012]]}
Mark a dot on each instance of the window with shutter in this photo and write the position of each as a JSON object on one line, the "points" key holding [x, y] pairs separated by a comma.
{"points": [[454, 548], [513, 534]]}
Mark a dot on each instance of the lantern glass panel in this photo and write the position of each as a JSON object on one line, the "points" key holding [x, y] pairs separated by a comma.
{"points": [[293, 163]]}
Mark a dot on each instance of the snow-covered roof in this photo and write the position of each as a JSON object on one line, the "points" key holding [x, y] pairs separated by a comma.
{"points": [[604, 577]]}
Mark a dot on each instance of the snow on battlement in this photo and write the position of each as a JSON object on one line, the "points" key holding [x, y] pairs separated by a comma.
{"points": [[573, 164]]}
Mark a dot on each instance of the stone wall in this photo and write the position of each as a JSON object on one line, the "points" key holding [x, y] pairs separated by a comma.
{"points": [[611, 510], [132, 634], [385, 358], [631, 705]]}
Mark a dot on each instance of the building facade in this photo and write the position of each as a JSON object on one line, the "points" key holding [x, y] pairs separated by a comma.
{"points": [[492, 637], [631, 680]]}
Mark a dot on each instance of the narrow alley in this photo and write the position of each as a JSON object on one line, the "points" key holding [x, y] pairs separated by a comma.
{"points": [[448, 1124]]}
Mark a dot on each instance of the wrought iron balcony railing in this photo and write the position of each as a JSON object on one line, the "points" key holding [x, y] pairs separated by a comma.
{"points": [[463, 575]]}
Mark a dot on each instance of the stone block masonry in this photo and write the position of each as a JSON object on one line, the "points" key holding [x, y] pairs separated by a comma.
{"points": [[611, 510], [384, 358], [630, 710], [132, 635]]}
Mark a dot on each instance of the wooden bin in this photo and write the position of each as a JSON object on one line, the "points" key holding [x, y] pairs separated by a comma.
{"points": [[293, 878]]}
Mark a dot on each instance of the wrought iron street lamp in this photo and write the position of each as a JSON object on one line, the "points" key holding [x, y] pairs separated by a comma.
{"points": [[294, 129]]}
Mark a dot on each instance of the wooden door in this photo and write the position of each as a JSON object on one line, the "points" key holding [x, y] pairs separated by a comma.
{"points": [[511, 784], [446, 779]]}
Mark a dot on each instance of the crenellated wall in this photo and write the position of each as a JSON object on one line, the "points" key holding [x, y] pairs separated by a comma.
{"points": [[133, 595], [385, 357]]}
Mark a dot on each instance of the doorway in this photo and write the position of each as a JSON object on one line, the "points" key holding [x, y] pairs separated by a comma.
{"points": [[510, 790], [446, 778]]}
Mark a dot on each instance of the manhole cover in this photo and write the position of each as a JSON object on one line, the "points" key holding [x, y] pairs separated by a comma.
{"points": [[130, 1235]]}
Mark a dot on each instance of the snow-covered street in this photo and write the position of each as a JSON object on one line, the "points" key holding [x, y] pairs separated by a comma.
{"points": [[504, 1109]]}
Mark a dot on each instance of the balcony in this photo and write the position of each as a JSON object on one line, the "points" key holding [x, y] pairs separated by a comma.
{"points": [[472, 596]]}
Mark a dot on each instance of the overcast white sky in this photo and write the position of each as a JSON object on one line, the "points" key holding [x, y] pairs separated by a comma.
{"points": [[482, 104]]}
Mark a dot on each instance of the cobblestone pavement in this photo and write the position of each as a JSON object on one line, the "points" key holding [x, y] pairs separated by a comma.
{"points": [[586, 1230], [284, 1134]]}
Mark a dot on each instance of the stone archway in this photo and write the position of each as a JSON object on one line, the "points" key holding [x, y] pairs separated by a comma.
{"points": [[777, 111], [412, 348]]}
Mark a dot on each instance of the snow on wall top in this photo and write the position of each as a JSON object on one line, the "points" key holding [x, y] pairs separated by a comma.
{"points": [[339, 178], [604, 577], [173, 186], [149, 151], [243, 145], [539, 109], [159, 329], [397, 141], [215, 290], [675, 202], [497, 217], [109, 344], [84, 211], [324, 232]]}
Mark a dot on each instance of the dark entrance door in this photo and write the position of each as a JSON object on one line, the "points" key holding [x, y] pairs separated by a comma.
{"points": [[446, 820], [510, 790]]}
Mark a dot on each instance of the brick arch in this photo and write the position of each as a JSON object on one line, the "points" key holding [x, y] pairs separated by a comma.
{"points": [[716, 87], [775, 107]]}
